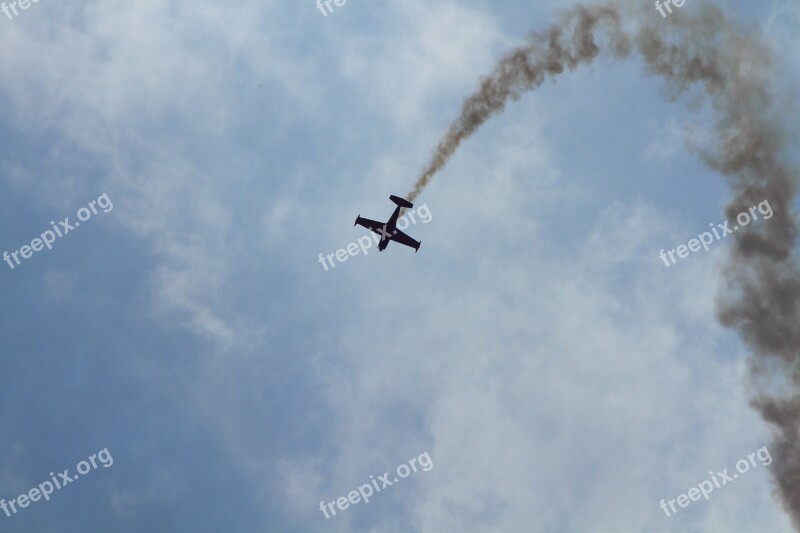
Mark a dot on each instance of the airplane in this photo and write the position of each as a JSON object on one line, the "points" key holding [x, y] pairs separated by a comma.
{"points": [[388, 231]]}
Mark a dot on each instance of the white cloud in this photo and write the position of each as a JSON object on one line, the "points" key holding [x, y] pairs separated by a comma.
{"points": [[579, 374], [560, 379], [108, 83]]}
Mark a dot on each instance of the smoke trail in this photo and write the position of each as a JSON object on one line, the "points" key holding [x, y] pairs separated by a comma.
{"points": [[697, 49], [567, 44]]}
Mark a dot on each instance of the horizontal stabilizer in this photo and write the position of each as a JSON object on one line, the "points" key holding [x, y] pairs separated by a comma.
{"points": [[402, 202]]}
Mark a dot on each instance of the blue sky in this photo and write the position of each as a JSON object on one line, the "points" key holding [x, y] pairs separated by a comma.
{"points": [[560, 377]]}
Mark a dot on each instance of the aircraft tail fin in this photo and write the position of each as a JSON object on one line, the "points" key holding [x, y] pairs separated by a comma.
{"points": [[402, 202]]}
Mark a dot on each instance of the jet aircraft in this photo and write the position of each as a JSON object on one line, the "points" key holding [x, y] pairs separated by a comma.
{"points": [[388, 230]]}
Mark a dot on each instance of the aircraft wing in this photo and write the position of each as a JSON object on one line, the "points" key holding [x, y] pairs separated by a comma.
{"points": [[374, 225], [402, 238]]}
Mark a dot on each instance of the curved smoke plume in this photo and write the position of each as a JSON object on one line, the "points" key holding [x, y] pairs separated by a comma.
{"points": [[732, 71]]}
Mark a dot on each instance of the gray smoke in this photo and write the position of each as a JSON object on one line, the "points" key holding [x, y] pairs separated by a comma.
{"points": [[565, 45], [699, 53]]}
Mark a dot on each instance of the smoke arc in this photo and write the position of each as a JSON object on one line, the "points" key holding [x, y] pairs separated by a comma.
{"points": [[696, 51]]}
